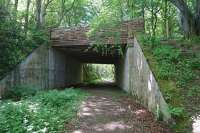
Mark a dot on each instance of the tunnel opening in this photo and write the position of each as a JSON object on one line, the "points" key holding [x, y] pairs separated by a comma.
{"points": [[84, 68], [98, 73]]}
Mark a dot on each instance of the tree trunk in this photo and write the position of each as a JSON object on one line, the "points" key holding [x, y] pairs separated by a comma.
{"points": [[38, 13], [15, 10], [190, 22], [143, 14], [7, 4], [197, 17], [27, 16], [166, 22]]}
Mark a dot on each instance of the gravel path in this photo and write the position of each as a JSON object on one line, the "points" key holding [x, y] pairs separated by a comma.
{"points": [[109, 110]]}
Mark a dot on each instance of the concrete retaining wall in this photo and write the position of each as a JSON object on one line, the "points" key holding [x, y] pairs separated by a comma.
{"points": [[44, 68], [134, 76]]}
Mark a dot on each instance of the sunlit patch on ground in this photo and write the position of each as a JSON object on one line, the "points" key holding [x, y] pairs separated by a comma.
{"points": [[196, 124]]}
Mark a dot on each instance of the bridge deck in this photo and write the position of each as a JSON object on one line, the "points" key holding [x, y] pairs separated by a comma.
{"points": [[78, 36]]}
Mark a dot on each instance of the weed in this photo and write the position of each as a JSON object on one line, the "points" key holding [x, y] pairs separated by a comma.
{"points": [[45, 112], [176, 111], [21, 91], [194, 91]]}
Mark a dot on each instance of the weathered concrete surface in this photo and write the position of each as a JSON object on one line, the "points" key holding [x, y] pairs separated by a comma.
{"points": [[133, 74], [44, 68]]}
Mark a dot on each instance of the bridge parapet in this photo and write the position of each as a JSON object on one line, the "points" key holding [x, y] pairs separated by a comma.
{"points": [[78, 36]]}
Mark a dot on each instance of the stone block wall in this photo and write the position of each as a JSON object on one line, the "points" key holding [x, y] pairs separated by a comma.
{"points": [[135, 77], [78, 35]]}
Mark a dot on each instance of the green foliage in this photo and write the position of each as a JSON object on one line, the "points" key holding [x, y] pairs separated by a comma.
{"points": [[167, 57], [94, 73], [21, 91], [44, 112], [107, 49], [184, 73], [15, 44], [56, 98], [90, 74], [176, 112], [12, 116], [165, 70], [194, 91], [176, 67], [102, 27], [173, 65], [39, 37], [166, 53]]}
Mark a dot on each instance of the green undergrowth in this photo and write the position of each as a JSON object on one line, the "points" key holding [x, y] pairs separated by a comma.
{"points": [[176, 66], [46, 111]]}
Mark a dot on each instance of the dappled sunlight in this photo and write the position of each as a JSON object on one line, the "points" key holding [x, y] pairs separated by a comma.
{"points": [[98, 107], [139, 112], [196, 124], [112, 126], [116, 125], [150, 81], [139, 65], [86, 114], [86, 109], [105, 114], [100, 114], [77, 131]]}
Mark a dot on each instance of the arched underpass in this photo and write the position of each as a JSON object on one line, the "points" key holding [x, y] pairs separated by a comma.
{"points": [[60, 65]]}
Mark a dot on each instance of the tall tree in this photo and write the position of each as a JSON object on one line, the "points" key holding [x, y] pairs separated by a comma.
{"points": [[39, 14], [15, 9], [190, 20], [27, 16]]}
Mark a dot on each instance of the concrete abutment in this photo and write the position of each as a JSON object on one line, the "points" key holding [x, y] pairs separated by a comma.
{"points": [[135, 77]]}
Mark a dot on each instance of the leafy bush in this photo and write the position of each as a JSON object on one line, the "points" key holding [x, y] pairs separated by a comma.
{"points": [[15, 44], [150, 41], [44, 112], [172, 65], [165, 52], [194, 91], [21, 91], [12, 116], [195, 63], [184, 73], [165, 70], [176, 111], [55, 98]]}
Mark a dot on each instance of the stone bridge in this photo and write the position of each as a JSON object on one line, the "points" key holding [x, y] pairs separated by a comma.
{"points": [[60, 64]]}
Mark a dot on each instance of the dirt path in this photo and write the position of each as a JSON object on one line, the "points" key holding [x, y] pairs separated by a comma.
{"points": [[109, 110]]}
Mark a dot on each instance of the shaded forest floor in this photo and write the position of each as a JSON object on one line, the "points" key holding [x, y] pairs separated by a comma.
{"points": [[109, 110]]}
